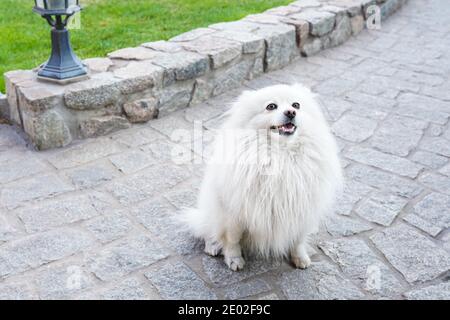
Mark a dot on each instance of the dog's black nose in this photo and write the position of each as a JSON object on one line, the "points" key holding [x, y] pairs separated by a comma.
{"points": [[290, 114]]}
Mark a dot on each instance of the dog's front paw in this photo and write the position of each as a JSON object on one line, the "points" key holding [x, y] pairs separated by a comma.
{"points": [[301, 263], [235, 263], [213, 248]]}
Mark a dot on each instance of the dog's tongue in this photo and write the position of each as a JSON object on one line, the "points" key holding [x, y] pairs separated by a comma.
{"points": [[287, 128]]}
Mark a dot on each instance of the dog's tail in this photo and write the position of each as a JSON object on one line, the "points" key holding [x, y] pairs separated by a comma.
{"points": [[194, 220]]}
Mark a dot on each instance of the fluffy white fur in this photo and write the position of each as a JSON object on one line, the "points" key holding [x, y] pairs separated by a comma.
{"points": [[271, 204]]}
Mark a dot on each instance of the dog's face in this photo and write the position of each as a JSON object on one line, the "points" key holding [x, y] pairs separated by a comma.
{"points": [[282, 109]]}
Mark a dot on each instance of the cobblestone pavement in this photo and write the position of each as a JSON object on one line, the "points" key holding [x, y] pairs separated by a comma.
{"points": [[96, 220]]}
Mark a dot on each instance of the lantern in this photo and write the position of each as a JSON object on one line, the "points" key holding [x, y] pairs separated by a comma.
{"points": [[63, 65]]}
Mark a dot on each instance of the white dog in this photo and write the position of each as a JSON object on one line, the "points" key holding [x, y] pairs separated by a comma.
{"points": [[268, 204]]}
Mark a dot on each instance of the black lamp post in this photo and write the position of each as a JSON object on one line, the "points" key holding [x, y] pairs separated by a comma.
{"points": [[63, 65]]}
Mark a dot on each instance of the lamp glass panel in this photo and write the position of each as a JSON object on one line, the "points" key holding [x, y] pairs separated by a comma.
{"points": [[56, 4], [40, 4]]}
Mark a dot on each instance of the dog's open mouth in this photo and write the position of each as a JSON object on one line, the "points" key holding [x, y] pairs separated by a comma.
{"points": [[285, 129]]}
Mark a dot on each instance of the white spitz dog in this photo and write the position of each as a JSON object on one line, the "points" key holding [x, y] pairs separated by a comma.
{"points": [[272, 178]]}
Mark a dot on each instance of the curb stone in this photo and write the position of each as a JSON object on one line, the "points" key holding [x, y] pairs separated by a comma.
{"points": [[4, 107]]}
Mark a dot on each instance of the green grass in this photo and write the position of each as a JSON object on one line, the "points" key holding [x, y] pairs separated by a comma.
{"points": [[107, 25]]}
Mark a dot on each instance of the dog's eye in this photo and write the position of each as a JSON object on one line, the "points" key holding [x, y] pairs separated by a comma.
{"points": [[296, 105], [271, 106]]}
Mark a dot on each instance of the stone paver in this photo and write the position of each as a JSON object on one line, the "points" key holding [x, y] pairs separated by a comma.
{"points": [[110, 226], [320, 281], [437, 292], [62, 282], [418, 258], [432, 210], [359, 262], [126, 256], [36, 250], [99, 219], [337, 225], [16, 291], [53, 213], [177, 281], [381, 208], [129, 289], [246, 289]]}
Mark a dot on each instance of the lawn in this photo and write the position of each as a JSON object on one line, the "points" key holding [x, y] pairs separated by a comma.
{"points": [[107, 25]]}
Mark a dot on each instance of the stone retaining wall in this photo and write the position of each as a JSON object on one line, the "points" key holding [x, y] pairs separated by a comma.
{"points": [[4, 107], [134, 85]]}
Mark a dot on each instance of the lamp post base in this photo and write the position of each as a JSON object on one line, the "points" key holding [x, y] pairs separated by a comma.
{"points": [[63, 81], [63, 66]]}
